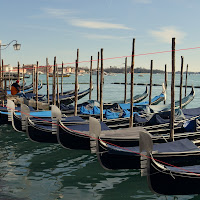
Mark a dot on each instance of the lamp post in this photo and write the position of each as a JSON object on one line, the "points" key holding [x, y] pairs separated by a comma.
{"points": [[16, 46]]}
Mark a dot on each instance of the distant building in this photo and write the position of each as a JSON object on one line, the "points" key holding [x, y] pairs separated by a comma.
{"points": [[72, 70], [7, 68], [15, 70], [42, 69], [82, 71], [68, 69]]}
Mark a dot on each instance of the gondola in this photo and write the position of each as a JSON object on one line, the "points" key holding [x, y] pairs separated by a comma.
{"points": [[154, 101], [44, 97], [119, 109], [60, 75], [91, 103], [125, 137], [47, 133], [18, 119], [65, 98], [86, 132], [167, 179], [68, 99], [6, 112], [149, 111], [177, 153], [184, 102], [29, 122], [137, 98], [39, 133]]}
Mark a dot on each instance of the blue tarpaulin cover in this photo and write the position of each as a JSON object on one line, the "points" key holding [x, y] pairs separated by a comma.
{"points": [[93, 111], [127, 105], [111, 115], [35, 114]]}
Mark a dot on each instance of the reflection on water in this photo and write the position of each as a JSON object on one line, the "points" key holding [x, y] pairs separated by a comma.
{"points": [[35, 171]]}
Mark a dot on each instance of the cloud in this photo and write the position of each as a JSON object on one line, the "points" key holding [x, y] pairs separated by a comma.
{"points": [[59, 13], [96, 24], [69, 16], [96, 36], [165, 34], [143, 1]]}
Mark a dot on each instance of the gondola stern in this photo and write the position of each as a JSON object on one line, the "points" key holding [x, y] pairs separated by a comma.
{"points": [[56, 115], [25, 112], [10, 107], [146, 147], [94, 132]]}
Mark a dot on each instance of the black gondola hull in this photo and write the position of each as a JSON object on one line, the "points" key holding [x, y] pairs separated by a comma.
{"points": [[39, 134], [72, 140], [168, 182], [119, 160]]}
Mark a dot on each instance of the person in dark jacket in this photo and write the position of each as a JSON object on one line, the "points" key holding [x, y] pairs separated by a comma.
{"points": [[15, 88]]}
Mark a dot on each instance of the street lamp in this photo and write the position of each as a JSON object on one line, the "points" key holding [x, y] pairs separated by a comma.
{"points": [[16, 46]]}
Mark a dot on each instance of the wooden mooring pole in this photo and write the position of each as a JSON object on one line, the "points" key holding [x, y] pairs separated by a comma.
{"points": [[9, 80], [172, 92], [181, 83], [5, 83], [33, 83], [151, 72], [76, 85], [90, 94], [5, 88], [186, 80], [34, 78], [62, 78], [23, 78], [125, 85], [47, 79], [2, 73], [37, 86], [165, 80], [101, 87], [58, 100], [132, 84], [18, 65], [98, 76], [54, 82], [166, 76]]}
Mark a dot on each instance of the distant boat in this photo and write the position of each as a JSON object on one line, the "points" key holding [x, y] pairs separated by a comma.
{"points": [[60, 75], [140, 75], [111, 74]]}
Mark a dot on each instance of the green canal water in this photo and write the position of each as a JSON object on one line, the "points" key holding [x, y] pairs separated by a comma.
{"points": [[36, 171]]}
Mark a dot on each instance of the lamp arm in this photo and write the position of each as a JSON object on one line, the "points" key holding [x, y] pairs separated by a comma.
{"points": [[7, 45]]}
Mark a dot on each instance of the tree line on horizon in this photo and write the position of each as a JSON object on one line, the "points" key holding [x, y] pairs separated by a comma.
{"points": [[114, 69]]}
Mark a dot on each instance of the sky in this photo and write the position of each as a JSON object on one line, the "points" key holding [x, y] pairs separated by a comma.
{"points": [[49, 28]]}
